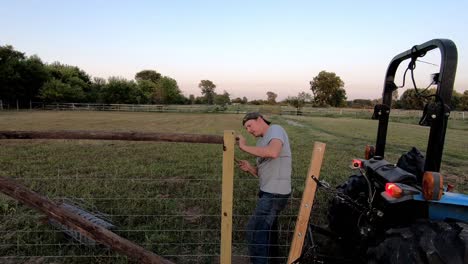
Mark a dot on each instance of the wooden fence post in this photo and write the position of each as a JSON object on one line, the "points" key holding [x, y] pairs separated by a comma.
{"points": [[227, 194], [105, 135], [307, 202]]}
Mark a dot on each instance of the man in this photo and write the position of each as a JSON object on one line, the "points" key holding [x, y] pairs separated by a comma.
{"points": [[273, 168]]}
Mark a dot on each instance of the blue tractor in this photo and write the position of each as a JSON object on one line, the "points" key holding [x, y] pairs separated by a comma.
{"points": [[404, 213]]}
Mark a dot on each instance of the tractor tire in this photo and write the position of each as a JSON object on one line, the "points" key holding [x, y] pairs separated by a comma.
{"points": [[342, 218], [423, 242]]}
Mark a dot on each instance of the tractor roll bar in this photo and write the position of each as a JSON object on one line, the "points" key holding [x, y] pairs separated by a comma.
{"points": [[448, 67]]}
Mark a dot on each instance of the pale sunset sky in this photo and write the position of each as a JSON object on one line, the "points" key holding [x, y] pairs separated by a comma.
{"points": [[245, 47]]}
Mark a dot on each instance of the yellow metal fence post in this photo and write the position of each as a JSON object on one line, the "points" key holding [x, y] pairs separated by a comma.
{"points": [[227, 194]]}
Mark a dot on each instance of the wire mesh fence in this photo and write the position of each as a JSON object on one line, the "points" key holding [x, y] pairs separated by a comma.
{"points": [[165, 197], [159, 208]]}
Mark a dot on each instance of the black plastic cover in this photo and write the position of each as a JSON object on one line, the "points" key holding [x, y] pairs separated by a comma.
{"points": [[389, 172]]}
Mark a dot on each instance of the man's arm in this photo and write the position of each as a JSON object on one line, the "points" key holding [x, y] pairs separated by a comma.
{"points": [[245, 166], [272, 150]]}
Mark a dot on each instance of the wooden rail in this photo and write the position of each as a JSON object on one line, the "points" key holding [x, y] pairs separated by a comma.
{"points": [[104, 135]]}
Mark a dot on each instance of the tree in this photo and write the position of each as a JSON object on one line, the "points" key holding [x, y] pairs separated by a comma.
{"points": [[257, 102], [94, 94], [200, 100], [10, 85], [147, 91], [236, 100], [208, 90], [65, 72], [119, 91], [148, 88], [222, 99], [21, 77], [295, 101], [192, 99], [170, 91], [361, 103], [338, 98], [55, 90], [412, 99], [271, 97], [306, 97], [456, 100], [155, 88], [77, 84], [33, 75], [298, 101], [464, 101], [395, 95], [327, 89], [148, 75]]}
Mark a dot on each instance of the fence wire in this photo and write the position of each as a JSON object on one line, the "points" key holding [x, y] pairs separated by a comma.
{"points": [[165, 197]]}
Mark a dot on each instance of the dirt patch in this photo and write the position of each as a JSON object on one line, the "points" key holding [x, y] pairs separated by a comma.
{"points": [[294, 123]]}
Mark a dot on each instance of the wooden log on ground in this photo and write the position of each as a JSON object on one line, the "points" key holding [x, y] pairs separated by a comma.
{"points": [[105, 135], [78, 223]]}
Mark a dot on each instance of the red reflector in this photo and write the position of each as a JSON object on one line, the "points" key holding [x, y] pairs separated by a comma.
{"points": [[393, 190], [357, 163]]}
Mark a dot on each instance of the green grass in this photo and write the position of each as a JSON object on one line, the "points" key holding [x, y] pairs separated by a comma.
{"points": [[166, 196]]}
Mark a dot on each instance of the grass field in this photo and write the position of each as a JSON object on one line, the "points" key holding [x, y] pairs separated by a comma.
{"points": [[166, 196]]}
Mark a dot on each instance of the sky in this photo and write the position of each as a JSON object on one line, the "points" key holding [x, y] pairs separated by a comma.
{"points": [[246, 48]]}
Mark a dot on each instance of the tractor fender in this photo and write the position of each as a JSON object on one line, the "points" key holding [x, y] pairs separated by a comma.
{"points": [[450, 206]]}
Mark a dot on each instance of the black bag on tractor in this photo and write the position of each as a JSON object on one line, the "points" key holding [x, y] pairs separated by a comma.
{"points": [[412, 162], [403, 213]]}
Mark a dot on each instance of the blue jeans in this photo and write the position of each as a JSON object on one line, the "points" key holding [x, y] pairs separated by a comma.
{"points": [[262, 229]]}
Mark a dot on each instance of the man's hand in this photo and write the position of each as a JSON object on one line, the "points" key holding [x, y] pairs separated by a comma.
{"points": [[241, 141], [244, 165]]}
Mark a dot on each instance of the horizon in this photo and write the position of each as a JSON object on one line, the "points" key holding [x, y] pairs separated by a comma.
{"points": [[244, 48]]}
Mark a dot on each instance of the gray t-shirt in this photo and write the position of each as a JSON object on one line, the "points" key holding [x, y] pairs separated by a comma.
{"points": [[275, 174]]}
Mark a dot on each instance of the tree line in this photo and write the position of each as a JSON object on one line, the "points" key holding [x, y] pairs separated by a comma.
{"points": [[24, 79], [414, 99]]}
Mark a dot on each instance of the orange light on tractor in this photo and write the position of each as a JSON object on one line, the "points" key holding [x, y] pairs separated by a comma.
{"points": [[433, 185], [369, 152], [393, 190]]}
